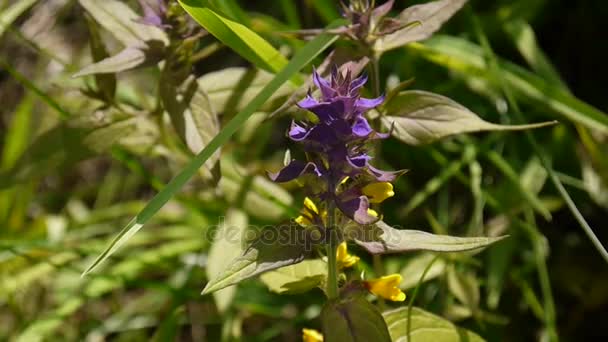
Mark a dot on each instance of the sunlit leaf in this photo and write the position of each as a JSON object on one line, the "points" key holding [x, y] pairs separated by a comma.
{"points": [[228, 245], [428, 18], [238, 37], [127, 59], [296, 278], [124, 24], [275, 248], [425, 327], [10, 14], [463, 56], [420, 117], [382, 238]]}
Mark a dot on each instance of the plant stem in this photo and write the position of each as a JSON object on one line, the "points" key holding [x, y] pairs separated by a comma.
{"points": [[331, 247]]}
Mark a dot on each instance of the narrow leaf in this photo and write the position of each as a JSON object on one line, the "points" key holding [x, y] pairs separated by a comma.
{"points": [[425, 326], [420, 117], [238, 37], [430, 17], [382, 239], [10, 14], [301, 59], [127, 59]]}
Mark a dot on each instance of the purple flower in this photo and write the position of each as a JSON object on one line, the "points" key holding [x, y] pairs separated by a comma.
{"points": [[336, 145]]}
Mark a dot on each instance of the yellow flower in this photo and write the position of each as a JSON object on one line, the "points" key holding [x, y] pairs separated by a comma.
{"points": [[378, 192], [311, 335], [310, 208], [387, 287], [345, 260]]}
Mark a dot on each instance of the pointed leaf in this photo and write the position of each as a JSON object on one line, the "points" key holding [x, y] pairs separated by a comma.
{"points": [[296, 278], [127, 59], [120, 20], [467, 58], [425, 326], [353, 319], [238, 37], [419, 117], [382, 238], [227, 246], [429, 16], [275, 248]]}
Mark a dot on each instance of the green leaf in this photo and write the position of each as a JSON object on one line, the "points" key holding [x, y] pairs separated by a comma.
{"points": [[120, 20], [353, 319], [382, 238], [106, 84], [192, 115], [429, 16], [238, 37], [420, 117], [275, 248], [425, 326], [301, 59], [69, 142], [9, 15], [231, 89], [127, 59], [463, 56], [465, 287], [227, 246], [296, 278], [413, 270]]}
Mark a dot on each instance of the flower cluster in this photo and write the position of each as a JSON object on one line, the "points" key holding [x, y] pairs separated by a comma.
{"points": [[336, 144]]}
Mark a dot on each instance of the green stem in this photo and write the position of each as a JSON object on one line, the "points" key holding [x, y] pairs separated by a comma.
{"points": [[331, 247], [375, 73]]}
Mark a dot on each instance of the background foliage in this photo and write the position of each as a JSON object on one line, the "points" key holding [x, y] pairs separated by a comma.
{"points": [[82, 156]]}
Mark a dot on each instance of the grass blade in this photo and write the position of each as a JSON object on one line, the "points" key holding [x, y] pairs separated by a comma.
{"points": [[301, 59], [8, 16], [238, 37]]}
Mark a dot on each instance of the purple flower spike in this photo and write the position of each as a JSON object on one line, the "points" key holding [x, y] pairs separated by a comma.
{"points": [[337, 144]]}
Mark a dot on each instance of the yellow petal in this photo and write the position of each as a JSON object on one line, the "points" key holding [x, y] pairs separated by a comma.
{"points": [[345, 260], [387, 287], [378, 192], [372, 212], [303, 221], [311, 335], [310, 205]]}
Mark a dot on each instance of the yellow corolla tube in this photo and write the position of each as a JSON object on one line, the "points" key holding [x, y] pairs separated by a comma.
{"points": [[378, 192], [311, 335], [387, 287], [345, 260]]}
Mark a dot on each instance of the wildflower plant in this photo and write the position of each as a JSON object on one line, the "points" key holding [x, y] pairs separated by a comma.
{"points": [[339, 122], [343, 187]]}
